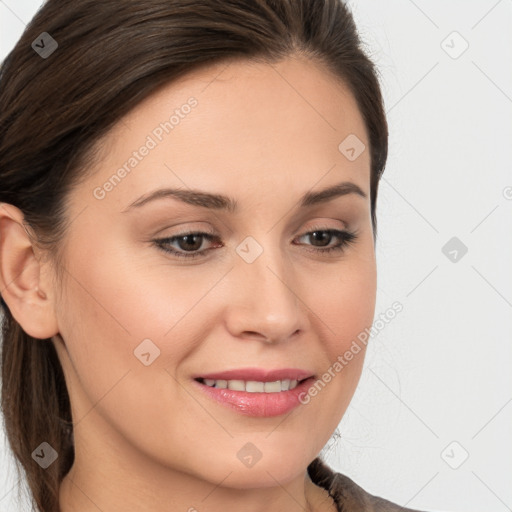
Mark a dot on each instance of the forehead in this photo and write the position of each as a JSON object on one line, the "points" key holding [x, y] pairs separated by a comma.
{"points": [[239, 125]]}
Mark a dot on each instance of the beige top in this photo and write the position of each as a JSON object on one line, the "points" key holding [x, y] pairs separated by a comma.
{"points": [[347, 495]]}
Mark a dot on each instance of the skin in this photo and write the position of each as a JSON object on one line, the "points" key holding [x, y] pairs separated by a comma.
{"points": [[145, 437]]}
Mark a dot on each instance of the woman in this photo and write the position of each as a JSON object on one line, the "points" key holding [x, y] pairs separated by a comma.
{"points": [[187, 230]]}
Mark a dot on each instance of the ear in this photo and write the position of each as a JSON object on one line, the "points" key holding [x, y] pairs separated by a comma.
{"points": [[25, 283]]}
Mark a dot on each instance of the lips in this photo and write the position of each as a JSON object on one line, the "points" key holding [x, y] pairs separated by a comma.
{"points": [[255, 391]]}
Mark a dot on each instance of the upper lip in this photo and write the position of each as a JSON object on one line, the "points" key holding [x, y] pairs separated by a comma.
{"points": [[258, 374]]}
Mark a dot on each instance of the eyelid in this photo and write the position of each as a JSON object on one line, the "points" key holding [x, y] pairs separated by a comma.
{"points": [[212, 232]]}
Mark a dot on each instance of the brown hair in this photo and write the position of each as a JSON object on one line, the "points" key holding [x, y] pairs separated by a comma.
{"points": [[54, 111]]}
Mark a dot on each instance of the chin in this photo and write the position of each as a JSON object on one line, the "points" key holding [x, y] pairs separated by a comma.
{"points": [[249, 468], [264, 473]]}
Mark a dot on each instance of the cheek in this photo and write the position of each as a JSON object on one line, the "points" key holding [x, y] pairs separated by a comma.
{"points": [[344, 305], [111, 305], [344, 302], [118, 302], [106, 313], [110, 386]]}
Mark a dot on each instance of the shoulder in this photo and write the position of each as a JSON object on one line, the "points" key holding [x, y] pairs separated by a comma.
{"points": [[348, 496]]}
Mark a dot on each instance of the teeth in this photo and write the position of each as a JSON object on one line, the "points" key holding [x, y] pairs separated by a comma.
{"points": [[253, 386], [273, 387], [236, 385]]}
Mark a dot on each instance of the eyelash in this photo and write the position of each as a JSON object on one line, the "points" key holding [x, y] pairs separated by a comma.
{"points": [[346, 238]]}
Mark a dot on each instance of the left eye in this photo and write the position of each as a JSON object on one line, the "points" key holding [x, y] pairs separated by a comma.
{"points": [[191, 242]]}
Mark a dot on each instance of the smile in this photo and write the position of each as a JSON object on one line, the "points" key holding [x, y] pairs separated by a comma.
{"points": [[252, 386], [256, 392]]}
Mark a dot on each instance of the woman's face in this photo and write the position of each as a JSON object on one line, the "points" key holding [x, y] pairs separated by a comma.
{"points": [[138, 325]]}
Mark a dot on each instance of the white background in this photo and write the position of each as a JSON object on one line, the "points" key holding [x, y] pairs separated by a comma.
{"points": [[440, 371]]}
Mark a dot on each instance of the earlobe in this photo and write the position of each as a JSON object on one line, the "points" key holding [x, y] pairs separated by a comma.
{"points": [[22, 278]]}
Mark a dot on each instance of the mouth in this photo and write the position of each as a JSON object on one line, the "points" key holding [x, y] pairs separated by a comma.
{"points": [[256, 392]]}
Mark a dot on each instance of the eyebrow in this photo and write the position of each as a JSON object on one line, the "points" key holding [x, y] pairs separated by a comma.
{"points": [[222, 202]]}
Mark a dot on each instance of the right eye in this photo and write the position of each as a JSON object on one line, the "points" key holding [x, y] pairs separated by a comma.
{"points": [[189, 242]]}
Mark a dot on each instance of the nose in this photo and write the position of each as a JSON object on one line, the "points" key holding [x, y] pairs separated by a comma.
{"points": [[265, 302]]}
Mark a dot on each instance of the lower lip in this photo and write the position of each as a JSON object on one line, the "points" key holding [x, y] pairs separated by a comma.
{"points": [[258, 404]]}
